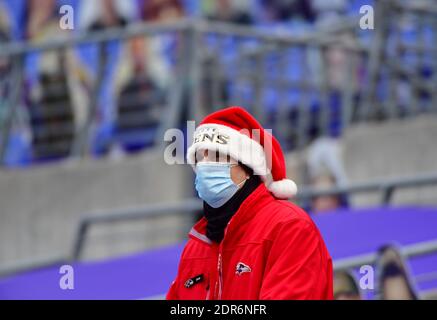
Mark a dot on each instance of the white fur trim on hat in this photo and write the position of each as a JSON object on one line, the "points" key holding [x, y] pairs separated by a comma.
{"points": [[230, 142], [225, 140], [283, 189]]}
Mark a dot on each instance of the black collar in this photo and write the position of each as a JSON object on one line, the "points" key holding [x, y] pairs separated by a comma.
{"points": [[218, 218]]}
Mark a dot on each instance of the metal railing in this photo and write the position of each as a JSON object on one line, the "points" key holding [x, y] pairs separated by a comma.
{"points": [[386, 187], [387, 66], [413, 250], [246, 70], [190, 206]]}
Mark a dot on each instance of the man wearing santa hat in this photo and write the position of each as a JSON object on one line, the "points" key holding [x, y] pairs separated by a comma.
{"points": [[251, 243]]}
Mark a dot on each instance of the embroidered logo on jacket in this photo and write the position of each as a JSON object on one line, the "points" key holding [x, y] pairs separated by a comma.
{"points": [[241, 268]]}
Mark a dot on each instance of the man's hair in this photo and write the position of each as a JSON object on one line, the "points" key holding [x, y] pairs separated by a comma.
{"points": [[249, 171]]}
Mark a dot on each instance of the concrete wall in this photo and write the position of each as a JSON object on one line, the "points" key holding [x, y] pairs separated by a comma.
{"points": [[40, 207], [396, 149], [399, 148]]}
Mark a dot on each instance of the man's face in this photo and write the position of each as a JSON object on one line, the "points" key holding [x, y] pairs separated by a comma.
{"points": [[237, 172]]}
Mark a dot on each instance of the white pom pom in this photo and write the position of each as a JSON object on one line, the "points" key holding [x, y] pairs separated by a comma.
{"points": [[283, 189]]}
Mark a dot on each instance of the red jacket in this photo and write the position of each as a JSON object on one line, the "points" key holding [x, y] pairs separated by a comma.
{"points": [[271, 250]]}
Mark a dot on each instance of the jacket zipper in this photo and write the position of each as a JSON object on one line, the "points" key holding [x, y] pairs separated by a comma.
{"points": [[220, 275], [220, 265], [218, 281], [207, 292]]}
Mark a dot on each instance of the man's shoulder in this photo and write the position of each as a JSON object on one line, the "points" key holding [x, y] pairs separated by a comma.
{"points": [[196, 250], [286, 218], [284, 211]]}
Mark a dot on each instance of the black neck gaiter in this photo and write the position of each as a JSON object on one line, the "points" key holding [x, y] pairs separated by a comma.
{"points": [[218, 218]]}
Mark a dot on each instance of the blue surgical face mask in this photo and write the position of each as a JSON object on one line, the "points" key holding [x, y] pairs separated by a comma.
{"points": [[214, 184]]}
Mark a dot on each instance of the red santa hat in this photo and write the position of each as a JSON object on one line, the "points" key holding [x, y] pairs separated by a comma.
{"points": [[234, 132]]}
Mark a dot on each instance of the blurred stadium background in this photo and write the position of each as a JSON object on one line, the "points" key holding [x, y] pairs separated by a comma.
{"points": [[83, 114]]}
